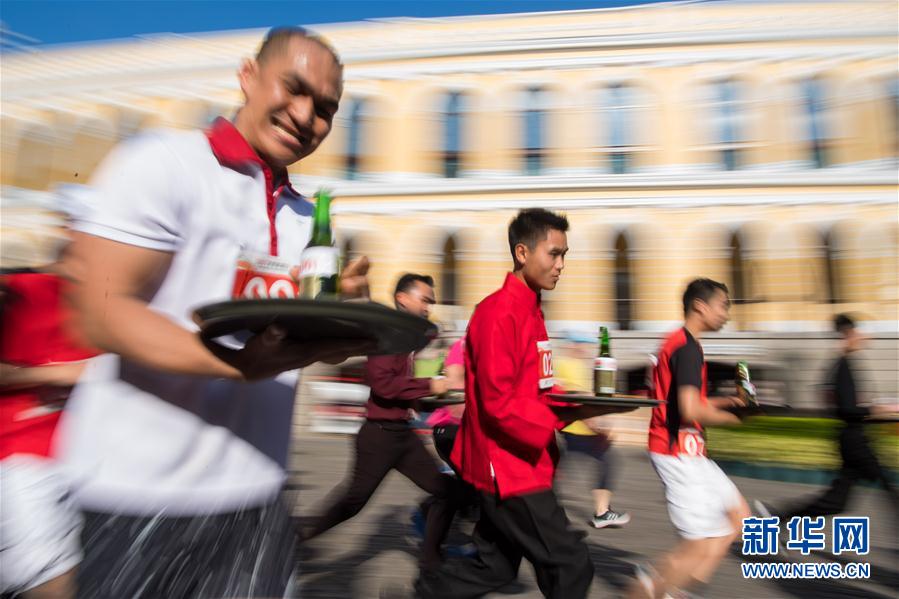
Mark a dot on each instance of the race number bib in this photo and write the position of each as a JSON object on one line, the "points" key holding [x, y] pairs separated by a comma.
{"points": [[545, 364], [261, 277], [691, 442]]}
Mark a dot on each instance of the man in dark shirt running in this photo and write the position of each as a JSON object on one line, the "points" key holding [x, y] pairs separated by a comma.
{"points": [[387, 441], [859, 461]]}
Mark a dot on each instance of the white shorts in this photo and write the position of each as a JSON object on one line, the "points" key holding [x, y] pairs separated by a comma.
{"points": [[40, 525], [699, 495]]}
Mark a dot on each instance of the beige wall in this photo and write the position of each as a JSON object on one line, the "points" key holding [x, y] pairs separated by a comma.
{"points": [[399, 71], [783, 259]]}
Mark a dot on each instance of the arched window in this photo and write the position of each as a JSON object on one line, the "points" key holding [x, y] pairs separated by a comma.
{"points": [[814, 106], [448, 289], [728, 113], [533, 131], [348, 250], [621, 127], [739, 292], [623, 300], [452, 135], [354, 139], [892, 98], [831, 271]]}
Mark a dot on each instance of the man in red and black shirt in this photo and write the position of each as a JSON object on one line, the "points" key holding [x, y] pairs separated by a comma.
{"points": [[387, 440], [703, 504], [506, 447]]}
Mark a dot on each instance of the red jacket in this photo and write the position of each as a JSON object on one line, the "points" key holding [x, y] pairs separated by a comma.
{"points": [[34, 332], [506, 444]]}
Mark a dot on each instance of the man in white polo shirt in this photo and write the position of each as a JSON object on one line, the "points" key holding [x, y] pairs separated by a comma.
{"points": [[178, 446]]}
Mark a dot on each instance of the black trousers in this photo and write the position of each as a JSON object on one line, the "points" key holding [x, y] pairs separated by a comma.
{"points": [[859, 463], [238, 554], [466, 496], [532, 526], [444, 438], [382, 446]]}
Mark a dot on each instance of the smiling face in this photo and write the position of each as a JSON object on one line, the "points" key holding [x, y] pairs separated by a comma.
{"points": [[291, 99], [542, 266]]}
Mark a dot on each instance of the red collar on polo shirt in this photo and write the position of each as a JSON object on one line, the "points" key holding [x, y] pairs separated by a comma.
{"points": [[233, 151]]}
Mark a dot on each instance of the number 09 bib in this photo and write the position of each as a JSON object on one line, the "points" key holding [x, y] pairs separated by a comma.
{"points": [[262, 277]]}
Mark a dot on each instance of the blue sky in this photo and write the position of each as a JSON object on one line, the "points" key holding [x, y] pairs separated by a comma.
{"points": [[66, 21]]}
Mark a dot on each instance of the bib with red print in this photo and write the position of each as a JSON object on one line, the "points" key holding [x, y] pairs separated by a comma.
{"points": [[261, 277], [545, 364], [691, 442]]}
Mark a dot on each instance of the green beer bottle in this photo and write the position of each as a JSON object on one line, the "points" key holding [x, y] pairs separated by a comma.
{"points": [[604, 367], [318, 263]]}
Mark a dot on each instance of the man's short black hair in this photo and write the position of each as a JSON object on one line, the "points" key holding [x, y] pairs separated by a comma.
{"points": [[703, 290], [407, 281], [532, 226], [842, 323], [277, 39]]}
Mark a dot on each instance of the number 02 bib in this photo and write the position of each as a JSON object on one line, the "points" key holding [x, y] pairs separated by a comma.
{"points": [[691, 442], [545, 364]]}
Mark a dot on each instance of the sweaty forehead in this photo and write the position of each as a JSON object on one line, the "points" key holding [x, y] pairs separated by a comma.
{"points": [[291, 45], [306, 57]]}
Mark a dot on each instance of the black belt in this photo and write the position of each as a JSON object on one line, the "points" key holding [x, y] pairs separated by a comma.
{"points": [[391, 425]]}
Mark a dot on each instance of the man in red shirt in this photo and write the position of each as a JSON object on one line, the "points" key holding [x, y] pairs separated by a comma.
{"points": [[704, 505], [39, 363], [506, 445], [387, 440]]}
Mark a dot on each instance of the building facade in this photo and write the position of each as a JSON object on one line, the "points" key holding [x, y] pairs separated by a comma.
{"points": [[751, 142]]}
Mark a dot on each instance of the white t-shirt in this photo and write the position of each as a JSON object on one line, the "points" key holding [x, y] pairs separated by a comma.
{"points": [[139, 441]]}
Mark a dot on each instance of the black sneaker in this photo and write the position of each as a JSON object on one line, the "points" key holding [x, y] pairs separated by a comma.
{"points": [[611, 519]]}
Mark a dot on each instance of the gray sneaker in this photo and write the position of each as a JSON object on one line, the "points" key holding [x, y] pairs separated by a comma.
{"points": [[761, 509], [611, 519], [646, 575]]}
